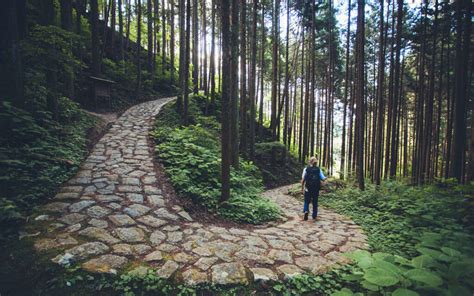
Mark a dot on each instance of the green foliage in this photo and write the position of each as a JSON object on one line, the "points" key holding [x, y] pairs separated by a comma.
{"points": [[436, 271], [191, 156], [422, 237], [37, 154]]}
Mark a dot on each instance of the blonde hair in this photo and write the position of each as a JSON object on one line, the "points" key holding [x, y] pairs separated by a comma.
{"points": [[312, 161]]}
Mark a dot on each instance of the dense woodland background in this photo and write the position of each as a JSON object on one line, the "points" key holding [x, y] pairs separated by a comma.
{"points": [[380, 91]]}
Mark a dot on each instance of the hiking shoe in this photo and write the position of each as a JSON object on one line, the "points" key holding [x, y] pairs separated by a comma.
{"points": [[306, 216], [315, 218]]}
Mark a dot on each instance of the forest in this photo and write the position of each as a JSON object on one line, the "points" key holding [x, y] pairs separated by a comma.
{"points": [[171, 147]]}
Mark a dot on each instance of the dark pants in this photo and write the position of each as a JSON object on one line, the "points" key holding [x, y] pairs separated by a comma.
{"points": [[311, 197]]}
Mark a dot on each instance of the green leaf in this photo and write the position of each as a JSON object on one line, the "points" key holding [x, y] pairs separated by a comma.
{"points": [[450, 252], [430, 252], [381, 277], [386, 266], [422, 261], [424, 276], [404, 292], [343, 292]]}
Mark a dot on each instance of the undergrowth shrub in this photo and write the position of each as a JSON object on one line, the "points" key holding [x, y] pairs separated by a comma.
{"points": [[37, 154], [421, 237], [191, 156]]}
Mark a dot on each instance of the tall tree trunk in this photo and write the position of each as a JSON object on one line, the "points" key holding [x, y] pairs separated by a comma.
{"points": [[212, 67], [262, 68], [149, 17], [463, 35], [287, 78], [276, 32], [172, 41], [120, 29], [396, 92], [381, 101], [182, 51], [66, 14], [186, 63], [204, 48], [252, 80], [243, 78], [195, 47], [226, 97], [359, 91], [163, 37], [113, 23], [139, 48], [94, 15], [346, 92], [235, 86]]}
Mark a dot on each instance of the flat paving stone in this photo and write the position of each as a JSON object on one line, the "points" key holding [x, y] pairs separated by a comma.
{"points": [[105, 264]]}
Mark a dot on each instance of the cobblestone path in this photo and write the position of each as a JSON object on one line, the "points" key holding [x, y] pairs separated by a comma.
{"points": [[113, 215]]}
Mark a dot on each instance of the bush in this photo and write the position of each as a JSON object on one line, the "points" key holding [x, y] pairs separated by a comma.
{"points": [[37, 154], [421, 235], [191, 156]]}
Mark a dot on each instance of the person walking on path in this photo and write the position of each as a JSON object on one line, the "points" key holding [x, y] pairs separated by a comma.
{"points": [[311, 184]]}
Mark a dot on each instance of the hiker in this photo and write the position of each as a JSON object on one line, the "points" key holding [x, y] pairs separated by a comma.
{"points": [[311, 184]]}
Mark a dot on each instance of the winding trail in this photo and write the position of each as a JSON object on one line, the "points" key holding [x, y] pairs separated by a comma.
{"points": [[113, 216]]}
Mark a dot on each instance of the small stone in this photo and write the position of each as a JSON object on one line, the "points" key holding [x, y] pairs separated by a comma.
{"points": [[57, 207], [108, 198], [151, 189], [105, 264], [71, 189], [72, 218], [47, 244], [281, 244], [151, 221], [122, 249], [135, 197], [289, 270], [157, 237], [156, 200], [79, 206], [43, 218], [203, 251], [122, 220], [171, 228], [98, 223], [87, 250], [263, 274], [99, 234], [67, 195], [185, 215], [141, 249], [279, 255], [129, 188], [182, 257], [136, 210], [98, 212], [205, 263], [167, 270], [131, 181], [163, 213], [229, 273], [154, 256], [73, 228], [113, 206], [194, 277], [166, 248], [132, 234], [149, 180]]}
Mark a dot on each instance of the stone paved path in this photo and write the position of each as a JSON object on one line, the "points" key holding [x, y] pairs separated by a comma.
{"points": [[113, 215]]}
